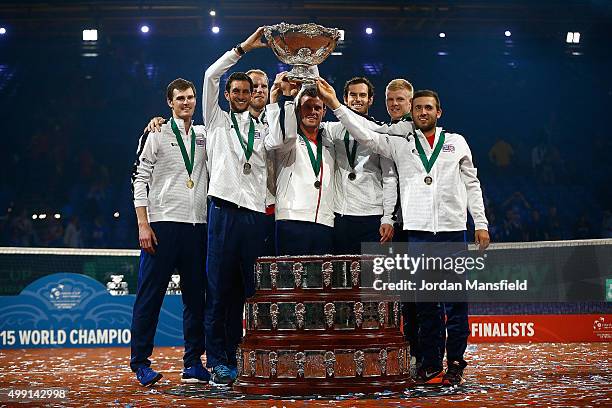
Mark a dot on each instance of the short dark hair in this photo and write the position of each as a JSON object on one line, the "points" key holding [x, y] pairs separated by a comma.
{"points": [[238, 76], [427, 92], [359, 80], [305, 91], [308, 91], [179, 84]]}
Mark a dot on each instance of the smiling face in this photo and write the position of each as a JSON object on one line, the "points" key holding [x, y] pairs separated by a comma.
{"points": [[239, 95], [398, 103], [259, 98], [358, 99], [425, 113], [312, 111], [182, 103]]}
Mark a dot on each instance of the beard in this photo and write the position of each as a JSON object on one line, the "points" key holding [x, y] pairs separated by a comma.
{"points": [[427, 127], [236, 109]]}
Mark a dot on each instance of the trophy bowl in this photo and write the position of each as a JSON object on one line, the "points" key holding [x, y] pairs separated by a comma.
{"points": [[301, 45]]}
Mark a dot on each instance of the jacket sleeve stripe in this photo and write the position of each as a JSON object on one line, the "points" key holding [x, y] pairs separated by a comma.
{"points": [[141, 145]]}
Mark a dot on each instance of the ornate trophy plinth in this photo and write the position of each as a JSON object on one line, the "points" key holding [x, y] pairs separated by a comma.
{"points": [[313, 328], [301, 45]]}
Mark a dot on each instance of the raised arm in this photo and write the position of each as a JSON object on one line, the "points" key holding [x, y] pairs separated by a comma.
{"points": [[283, 125], [389, 183], [281, 114], [395, 129], [211, 109], [354, 123]]}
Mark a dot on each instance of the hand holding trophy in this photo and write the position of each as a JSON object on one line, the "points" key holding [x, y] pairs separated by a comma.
{"points": [[254, 41], [327, 94], [282, 85]]}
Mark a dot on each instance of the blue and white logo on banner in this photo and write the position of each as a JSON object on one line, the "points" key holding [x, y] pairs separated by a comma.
{"points": [[72, 310]]}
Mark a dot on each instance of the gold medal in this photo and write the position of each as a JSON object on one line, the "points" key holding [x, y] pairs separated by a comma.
{"points": [[190, 183]]}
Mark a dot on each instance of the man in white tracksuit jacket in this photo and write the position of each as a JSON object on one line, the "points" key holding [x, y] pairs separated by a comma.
{"points": [[365, 182], [305, 174], [435, 202], [169, 183], [237, 160], [357, 189]]}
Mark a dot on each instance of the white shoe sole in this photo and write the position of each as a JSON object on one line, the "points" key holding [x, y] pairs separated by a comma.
{"points": [[214, 384], [193, 381]]}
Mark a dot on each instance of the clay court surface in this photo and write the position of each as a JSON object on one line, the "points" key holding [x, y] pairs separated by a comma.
{"points": [[499, 375]]}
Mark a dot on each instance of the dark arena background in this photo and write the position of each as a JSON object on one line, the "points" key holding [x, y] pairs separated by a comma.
{"points": [[526, 82]]}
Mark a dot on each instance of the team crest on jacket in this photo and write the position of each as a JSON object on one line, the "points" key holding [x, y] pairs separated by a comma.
{"points": [[448, 148]]}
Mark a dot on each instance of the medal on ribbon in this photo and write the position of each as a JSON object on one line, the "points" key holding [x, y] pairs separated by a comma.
{"points": [[428, 164], [314, 162], [247, 146], [188, 163], [350, 154]]}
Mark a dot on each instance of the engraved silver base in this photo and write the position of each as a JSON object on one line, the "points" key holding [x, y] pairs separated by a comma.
{"points": [[313, 363], [302, 73]]}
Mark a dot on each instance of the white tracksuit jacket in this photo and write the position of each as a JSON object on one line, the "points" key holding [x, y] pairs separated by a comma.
{"points": [[159, 176], [226, 157], [374, 190], [297, 198], [441, 206]]}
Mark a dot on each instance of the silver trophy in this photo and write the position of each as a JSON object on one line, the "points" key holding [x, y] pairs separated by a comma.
{"points": [[301, 45]]}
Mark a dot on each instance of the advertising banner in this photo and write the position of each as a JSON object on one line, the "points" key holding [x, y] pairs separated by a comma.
{"points": [[74, 310]]}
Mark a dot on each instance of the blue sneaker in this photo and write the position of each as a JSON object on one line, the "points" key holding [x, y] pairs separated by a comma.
{"points": [[195, 374], [147, 376], [233, 372], [221, 376]]}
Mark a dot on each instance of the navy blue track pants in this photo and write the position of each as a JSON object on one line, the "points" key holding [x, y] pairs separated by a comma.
{"points": [[441, 324], [351, 230], [181, 246], [303, 238], [235, 240]]}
